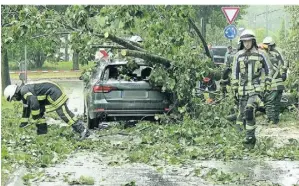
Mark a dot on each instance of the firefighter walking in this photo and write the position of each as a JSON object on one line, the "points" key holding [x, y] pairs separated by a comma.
{"points": [[41, 97], [280, 67], [250, 78]]}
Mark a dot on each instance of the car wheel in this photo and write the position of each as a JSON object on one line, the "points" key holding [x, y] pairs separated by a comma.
{"points": [[84, 114], [92, 123]]}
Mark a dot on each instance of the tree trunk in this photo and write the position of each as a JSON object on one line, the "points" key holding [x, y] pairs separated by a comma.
{"points": [[108, 46], [201, 38], [148, 57], [42, 58], [5, 78], [38, 60], [122, 42], [66, 48], [76, 60]]}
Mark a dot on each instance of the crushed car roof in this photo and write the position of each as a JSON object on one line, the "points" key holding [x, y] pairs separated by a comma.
{"points": [[123, 62]]}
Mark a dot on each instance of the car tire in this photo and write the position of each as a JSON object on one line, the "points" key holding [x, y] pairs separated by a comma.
{"points": [[84, 115], [92, 123]]}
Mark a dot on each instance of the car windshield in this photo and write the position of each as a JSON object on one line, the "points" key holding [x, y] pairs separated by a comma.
{"points": [[219, 51], [123, 72]]}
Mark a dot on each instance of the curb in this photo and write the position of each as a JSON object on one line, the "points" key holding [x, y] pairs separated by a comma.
{"points": [[43, 71]]}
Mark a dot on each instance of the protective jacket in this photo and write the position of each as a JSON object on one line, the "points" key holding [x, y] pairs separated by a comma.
{"points": [[280, 67], [251, 72], [40, 97]]}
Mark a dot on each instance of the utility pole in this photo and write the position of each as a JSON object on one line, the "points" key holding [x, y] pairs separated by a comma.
{"points": [[267, 20], [267, 12]]}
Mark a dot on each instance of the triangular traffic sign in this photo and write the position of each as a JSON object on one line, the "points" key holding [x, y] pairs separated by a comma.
{"points": [[230, 13]]}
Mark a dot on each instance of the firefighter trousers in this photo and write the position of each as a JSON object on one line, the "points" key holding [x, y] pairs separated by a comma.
{"points": [[246, 116], [273, 105]]}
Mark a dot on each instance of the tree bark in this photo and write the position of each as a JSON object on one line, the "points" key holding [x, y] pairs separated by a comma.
{"points": [[76, 60], [5, 78]]}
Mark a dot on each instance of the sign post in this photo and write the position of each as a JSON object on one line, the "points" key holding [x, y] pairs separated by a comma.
{"points": [[230, 31]]}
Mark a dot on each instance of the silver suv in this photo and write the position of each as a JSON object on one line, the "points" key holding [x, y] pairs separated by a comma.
{"points": [[115, 93]]}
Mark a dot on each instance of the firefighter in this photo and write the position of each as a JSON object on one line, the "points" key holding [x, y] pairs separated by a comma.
{"points": [[280, 67], [229, 55], [41, 97], [225, 79], [250, 78]]}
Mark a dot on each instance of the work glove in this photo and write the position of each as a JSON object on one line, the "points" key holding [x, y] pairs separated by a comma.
{"points": [[80, 128], [283, 76]]}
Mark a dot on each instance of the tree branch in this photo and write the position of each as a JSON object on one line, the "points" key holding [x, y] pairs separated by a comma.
{"points": [[148, 57], [201, 38], [136, 44], [44, 35], [123, 42], [108, 46]]}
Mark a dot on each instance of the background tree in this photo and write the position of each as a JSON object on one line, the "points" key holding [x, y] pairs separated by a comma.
{"points": [[291, 47], [214, 22], [21, 25]]}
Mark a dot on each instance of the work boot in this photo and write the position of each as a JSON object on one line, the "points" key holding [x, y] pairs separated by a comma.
{"points": [[41, 128], [249, 142], [273, 122], [238, 128], [231, 117], [79, 128], [250, 139]]}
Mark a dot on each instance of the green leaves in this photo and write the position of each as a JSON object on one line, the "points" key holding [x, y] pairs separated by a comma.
{"points": [[102, 21], [8, 40], [23, 146], [83, 180]]}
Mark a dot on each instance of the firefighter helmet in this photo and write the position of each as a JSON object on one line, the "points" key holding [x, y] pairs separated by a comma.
{"points": [[10, 91], [247, 35], [268, 41]]}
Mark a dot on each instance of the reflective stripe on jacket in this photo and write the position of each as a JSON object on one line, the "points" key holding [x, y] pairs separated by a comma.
{"points": [[46, 93], [251, 72]]}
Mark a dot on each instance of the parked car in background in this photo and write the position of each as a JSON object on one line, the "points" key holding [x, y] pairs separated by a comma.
{"points": [[115, 93], [218, 53]]}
